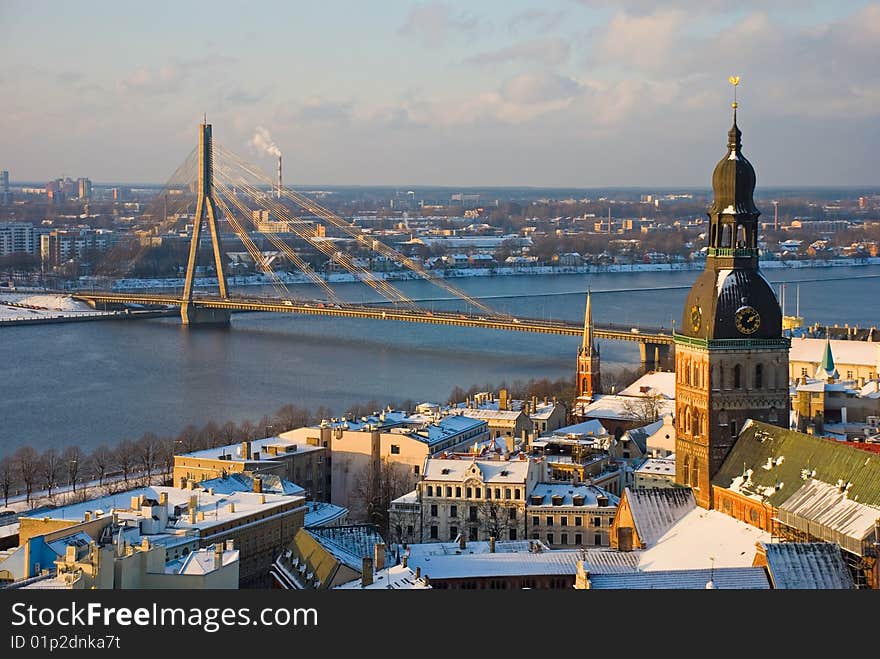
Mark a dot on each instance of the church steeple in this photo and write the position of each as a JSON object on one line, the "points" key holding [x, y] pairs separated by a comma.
{"points": [[588, 375], [587, 344], [826, 369]]}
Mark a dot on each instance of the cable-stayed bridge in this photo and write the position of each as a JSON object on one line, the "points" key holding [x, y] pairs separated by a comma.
{"points": [[224, 187]]}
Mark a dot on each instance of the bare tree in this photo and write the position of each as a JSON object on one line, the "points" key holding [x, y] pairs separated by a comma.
{"points": [[376, 486], [126, 458], [290, 417], [165, 457], [27, 462], [188, 439], [7, 477], [644, 409], [101, 461], [229, 433], [147, 452], [493, 519], [50, 464], [71, 461]]}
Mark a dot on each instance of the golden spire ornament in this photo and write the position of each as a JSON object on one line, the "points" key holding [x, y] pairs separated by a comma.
{"points": [[734, 80]]}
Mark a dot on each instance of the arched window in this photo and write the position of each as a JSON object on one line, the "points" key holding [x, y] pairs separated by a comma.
{"points": [[726, 237], [741, 237], [687, 419], [687, 473], [720, 376], [584, 386], [695, 424], [696, 375], [712, 235], [759, 376], [737, 377], [695, 474]]}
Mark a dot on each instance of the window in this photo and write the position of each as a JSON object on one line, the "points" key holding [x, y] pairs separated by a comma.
{"points": [[513, 534], [759, 376], [564, 539], [511, 513], [506, 492], [434, 532], [536, 521], [488, 493], [478, 492], [416, 472], [578, 539], [534, 536], [563, 521], [732, 429], [577, 521], [458, 493], [550, 539], [409, 530], [448, 491], [497, 493], [516, 494], [549, 520], [430, 491], [453, 511], [849, 375], [472, 514], [803, 372], [468, 492], [472, 533], [597, 540], [433, 510], [395, 449], [737, 377], [453, 532], [695, 474], [597, 521], [687, 472]]}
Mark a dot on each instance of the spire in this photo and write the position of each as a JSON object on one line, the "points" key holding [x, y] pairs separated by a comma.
{"points": [[734, 135], [826, 370], [587, 345]]}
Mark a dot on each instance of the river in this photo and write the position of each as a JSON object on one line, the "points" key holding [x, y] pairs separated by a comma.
{"points": [[94, 383]]}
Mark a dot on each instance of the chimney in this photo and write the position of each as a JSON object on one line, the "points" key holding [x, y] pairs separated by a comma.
{"points": [[88, 516], [379, 555], [461, 541], [163, 498], [200, 516], [70, 554], [366, 571], [218, 555], [258, 484], [193, 502], [418, 572], [278, 195], [245, 450], [230, 544], [136, 503], [427, 581], [145, 544], [491, 544], [231, 507], [182, 482], [210, 491], [405, 559], [502, 399]]}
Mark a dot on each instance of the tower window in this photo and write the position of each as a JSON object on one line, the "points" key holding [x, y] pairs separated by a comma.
{"points": [[759, 376], [687, 473], [737, 377], [695, 474], [726, 237]]}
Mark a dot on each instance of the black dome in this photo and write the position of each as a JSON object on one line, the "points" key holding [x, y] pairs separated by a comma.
{"points": [[733, 180], [719, 294]]}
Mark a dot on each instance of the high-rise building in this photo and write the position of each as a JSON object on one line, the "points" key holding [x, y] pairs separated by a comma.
{"points": [[5, 196], [84, 187], [731, 357]]}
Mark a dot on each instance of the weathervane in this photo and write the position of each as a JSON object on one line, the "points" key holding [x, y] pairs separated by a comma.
{"points": [[734, 80]]}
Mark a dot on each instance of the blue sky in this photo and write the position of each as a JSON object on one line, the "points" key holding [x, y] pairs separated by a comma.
{"points": [[566, 93]]}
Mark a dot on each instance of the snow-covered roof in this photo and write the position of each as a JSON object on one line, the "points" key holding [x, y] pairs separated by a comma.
{"points": [[807, 565], [584, 430], [657, 467], [565, 494], [349, 544], [491, 415], [829, 506], [653, 383], [395, 577], [261, 446], [747, 578], [703, 539], [623, 407], [319, 513], [419, 551], [201, 561], [865, 353], [244, 482], [655, 510], [489, 471], [552, 562]]}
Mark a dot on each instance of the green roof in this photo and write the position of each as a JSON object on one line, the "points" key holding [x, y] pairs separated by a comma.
{"points": [[793, 457]]}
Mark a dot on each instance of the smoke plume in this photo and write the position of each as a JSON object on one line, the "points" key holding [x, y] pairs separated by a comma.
{"points": [[262, 139]]}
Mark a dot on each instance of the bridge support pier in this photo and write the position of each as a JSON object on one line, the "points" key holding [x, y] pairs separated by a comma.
{"points": [[203, 316], [656, 356]]}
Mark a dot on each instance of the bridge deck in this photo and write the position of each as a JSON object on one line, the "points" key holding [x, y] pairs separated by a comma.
{"points": [[517, 324]]}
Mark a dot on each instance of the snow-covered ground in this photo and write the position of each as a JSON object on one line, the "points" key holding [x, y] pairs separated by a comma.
{"points": [[21, 306], [338, 277]]}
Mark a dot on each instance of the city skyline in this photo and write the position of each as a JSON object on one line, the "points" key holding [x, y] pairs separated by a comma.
{"points": [[445, 93]]}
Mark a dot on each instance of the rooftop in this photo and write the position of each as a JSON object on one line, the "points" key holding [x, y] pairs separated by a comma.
{"points": [[565, 495], [807, 565], [234, 451], [657, 467], [653, 383], [395, 577], [698, 579], [845, 352], [513, 471]]}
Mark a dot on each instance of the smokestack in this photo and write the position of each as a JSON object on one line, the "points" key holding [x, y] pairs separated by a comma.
{"points": [[366, 571], [379, 556], [279, 176]]}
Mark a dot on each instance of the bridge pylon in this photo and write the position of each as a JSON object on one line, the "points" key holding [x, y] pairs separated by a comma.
{"points": [[206, 212]]}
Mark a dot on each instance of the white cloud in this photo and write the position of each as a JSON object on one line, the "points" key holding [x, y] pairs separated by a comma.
{"points": [[435, 22], [549, 51]]}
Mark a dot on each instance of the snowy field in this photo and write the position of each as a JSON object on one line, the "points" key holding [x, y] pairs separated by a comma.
{"points": [[21, 306]]}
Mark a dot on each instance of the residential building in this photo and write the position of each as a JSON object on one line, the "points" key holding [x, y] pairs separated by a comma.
{"points": [[259, 524], [655, 472], [61, 245], [298, 458], [565, 516]]}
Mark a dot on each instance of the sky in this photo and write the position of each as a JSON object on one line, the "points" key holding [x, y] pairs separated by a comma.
{"points": [[557, 93]]}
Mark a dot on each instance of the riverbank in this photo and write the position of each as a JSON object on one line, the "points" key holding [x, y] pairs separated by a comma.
{"points": [[457, 273]]}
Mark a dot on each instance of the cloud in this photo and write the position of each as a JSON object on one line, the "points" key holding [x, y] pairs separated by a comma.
{"points": [[550, 52], [434, 22], [640, 41], [536, 20], [324, 111], [164, 80]]}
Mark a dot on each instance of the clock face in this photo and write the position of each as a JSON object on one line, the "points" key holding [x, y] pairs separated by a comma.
{"points": [[696, 318], [748, 320]]}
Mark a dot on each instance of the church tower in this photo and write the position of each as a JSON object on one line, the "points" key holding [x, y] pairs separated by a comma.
{"points": [[731, 359], [588, 382]]}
